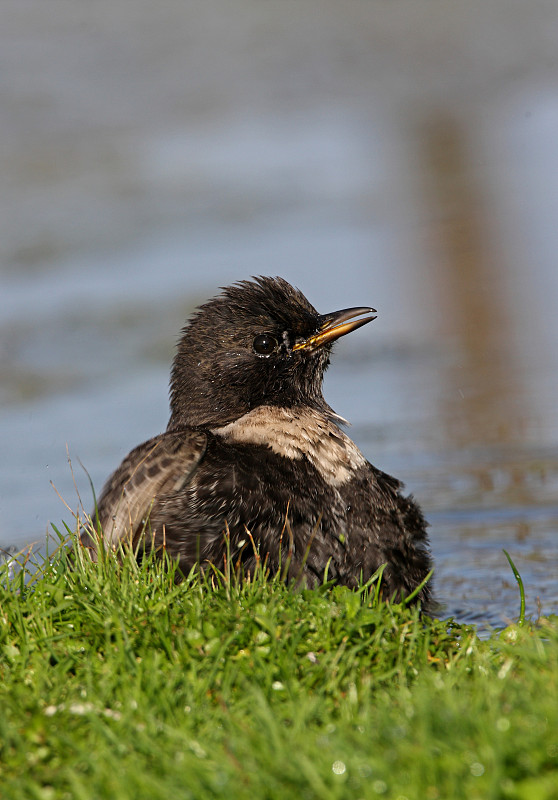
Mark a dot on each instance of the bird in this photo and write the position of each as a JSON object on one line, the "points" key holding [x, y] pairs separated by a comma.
{"points": [[254, 467]]}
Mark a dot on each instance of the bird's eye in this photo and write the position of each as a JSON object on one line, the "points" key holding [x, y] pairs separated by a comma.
{"points": [[264, 344]]}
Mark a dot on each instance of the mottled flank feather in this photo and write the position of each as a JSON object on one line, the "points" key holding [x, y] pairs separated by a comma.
{"points": [[159, 467]]}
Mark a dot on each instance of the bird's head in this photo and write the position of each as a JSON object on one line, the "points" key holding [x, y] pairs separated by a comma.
{"points": [[258, 343]]}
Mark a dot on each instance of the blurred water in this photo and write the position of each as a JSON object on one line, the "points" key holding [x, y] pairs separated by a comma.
{"points": [[399, 155]]}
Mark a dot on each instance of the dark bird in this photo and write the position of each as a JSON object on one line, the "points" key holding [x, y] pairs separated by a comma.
{"points": [[253, 464]]}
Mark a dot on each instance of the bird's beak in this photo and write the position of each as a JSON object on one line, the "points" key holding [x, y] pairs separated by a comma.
{"points": [[332, 326]]}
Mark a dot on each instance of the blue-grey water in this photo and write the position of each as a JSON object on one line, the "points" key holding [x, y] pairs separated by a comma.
{"points": [[399, 155]]}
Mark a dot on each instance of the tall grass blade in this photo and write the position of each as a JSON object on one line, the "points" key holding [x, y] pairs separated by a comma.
{"points": [[517, 576]]}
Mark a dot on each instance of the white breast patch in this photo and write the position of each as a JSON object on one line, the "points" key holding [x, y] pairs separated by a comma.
{"points": [[298, 433]]}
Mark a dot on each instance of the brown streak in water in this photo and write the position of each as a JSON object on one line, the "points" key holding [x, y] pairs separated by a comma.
{"points": [[469, 278]]}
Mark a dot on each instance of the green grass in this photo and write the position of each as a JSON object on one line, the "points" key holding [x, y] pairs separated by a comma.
{"points": [[117, 683]]}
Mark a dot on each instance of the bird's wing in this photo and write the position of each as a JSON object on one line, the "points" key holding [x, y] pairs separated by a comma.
{"points": [[159, 466]]}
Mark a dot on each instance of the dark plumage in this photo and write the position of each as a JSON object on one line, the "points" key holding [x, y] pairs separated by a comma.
{"points": [[254, 453]]}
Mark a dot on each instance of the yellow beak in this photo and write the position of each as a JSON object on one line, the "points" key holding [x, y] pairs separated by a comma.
{"points": [[333, 326]]}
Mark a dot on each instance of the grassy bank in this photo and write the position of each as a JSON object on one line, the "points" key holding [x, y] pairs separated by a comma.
{"points": [[115, 683]]}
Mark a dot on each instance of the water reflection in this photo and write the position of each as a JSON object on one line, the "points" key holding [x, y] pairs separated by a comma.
{"points": [[494, 494], [470, 283]]}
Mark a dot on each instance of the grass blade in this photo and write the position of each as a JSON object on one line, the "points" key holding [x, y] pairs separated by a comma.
{"points": [[517, 576]]}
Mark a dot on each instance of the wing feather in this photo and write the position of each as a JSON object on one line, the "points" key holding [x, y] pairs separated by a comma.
{"points": [[157, 467]]}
